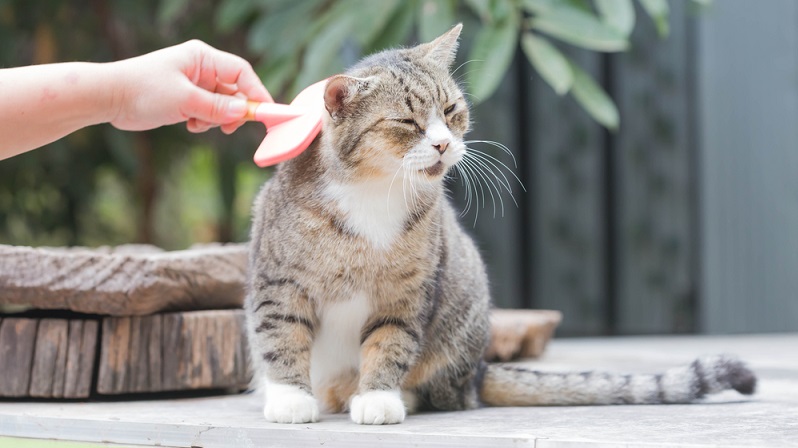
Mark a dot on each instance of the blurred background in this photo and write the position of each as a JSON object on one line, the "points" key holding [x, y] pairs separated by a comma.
{"points": [[655, 144]]}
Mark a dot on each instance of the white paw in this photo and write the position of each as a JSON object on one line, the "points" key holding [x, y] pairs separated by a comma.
{"points": [[378, 407], [289, 404]]}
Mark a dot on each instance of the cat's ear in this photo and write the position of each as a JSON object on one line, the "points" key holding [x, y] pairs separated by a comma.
{"points": [[342, 90], [443, 49]]}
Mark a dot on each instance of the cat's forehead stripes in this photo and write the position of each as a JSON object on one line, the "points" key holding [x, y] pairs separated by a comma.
{"points": [[410, 76]]}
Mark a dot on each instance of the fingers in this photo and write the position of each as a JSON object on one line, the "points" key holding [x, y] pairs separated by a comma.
{"points": [[231, 69], [220, 85], [213, 108], [197, 126]]}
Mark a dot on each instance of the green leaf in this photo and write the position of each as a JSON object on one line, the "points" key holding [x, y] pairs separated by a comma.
{"points": [[538, 6], [658, 11], [552, 65], [371, 18], [435, 17], [579, 28], [618, 14], [168, 10], [232, 13], [594, 99], [396, 31], [494, 46], [481, 8], [277, 73], [581, 5], [281, 33], [501, 9], [323, 55]]}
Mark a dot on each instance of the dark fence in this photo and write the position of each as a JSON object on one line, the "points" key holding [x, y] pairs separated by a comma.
{"points": [[683, 221]]}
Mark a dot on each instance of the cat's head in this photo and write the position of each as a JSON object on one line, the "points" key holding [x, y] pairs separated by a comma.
{"points": [[399, 111]]}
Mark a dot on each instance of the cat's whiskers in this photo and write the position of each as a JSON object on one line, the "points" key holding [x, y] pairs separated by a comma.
{"points": [[469, 194], [497, 145], [467, 185], [464, 63], [415, 174], [404, 179], [492, 168], [468, 168], [423, 198], [493, 161], [485, 160], [480, 170], [470, 95], [388, 199], [414, 189]]}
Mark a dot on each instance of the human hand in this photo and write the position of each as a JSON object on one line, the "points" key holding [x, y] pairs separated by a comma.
{"points": [[191, 82]]}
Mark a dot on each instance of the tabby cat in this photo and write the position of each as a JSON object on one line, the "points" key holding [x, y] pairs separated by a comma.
{"points": [[366, 295]]}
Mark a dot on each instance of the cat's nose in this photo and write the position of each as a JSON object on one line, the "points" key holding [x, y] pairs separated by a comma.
{"points": [[441, 145]]}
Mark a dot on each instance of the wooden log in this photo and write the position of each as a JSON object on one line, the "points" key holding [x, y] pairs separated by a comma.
{"points": [[146, 352], [173, 351], [46, 358], [114, 356], [174, 365], [17, 342], [80, 358], [520, 333], [121, 282], [49, 359]]}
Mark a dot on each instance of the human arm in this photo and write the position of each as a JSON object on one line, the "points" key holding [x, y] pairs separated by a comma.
{"points": [[190, 82]]}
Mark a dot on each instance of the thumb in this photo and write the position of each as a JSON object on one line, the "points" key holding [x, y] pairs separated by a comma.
{"points": [[215, 108]]}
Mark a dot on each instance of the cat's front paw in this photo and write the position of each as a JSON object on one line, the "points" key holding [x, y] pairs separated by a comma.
{"points": [[378, 407], [289, 404]]}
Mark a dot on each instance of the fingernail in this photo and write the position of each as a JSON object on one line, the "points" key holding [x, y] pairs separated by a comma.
{"points": [[237, 108]]}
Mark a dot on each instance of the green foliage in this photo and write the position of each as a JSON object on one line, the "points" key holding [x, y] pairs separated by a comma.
{"points": [[169, 187], [594, 99], [494, 47], [104, 186], [550, 63], [302, 41]]}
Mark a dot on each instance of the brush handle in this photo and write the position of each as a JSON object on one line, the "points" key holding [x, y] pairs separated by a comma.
{"points": [[272, 113]]}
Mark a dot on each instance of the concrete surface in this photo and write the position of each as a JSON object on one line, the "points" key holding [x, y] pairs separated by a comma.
{"points": [[768, 419]]}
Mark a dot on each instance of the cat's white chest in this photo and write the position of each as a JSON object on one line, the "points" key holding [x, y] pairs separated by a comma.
{"points": [[336, 347], [374, 210]]}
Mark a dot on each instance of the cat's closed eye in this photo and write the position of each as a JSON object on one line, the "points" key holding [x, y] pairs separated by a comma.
{"points": [[411, 122], [449, 109]]}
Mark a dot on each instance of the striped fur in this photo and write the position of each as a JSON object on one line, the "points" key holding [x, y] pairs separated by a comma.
{"points": [[365, 293]]}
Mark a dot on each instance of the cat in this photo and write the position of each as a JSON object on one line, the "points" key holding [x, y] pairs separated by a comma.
{"points": [[366, 295]]}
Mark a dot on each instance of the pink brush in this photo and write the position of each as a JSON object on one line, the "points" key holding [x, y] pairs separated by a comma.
{"points": [[290, 128]]}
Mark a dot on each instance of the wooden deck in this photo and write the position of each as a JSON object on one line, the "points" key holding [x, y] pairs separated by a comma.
{"points": [[768, 419]]}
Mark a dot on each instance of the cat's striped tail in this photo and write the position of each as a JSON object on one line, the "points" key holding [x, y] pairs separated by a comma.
{"points": [[510, 385]]}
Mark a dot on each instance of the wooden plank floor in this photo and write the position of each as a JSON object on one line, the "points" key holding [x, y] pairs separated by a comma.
{"points": [[768, 419]]}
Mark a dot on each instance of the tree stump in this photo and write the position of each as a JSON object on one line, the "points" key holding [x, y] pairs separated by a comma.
{"points": [[520, 333], [173, 351], [142, 327], [46, 358]]}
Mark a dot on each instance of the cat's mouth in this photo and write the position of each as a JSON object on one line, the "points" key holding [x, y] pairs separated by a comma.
{"points": [[434, 170]]}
